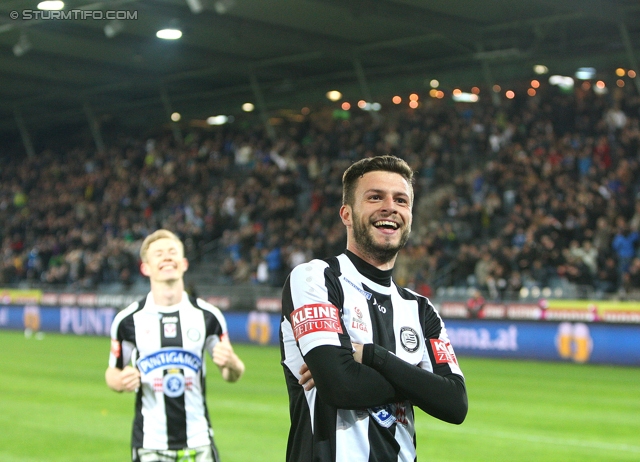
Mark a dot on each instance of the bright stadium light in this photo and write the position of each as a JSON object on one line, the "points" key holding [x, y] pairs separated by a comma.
{"points": [[585, 73], [217, 120], [51, 5], [248, 107], [561, 81], [540, 69], [465, 97], [169, 34], [334, 95]]}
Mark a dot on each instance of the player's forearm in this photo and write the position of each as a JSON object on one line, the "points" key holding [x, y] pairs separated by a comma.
{"points": [[127, 379], [113, 377], [444, 398], [344, 383]]}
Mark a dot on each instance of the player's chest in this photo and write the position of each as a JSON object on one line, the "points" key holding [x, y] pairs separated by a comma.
{"points": [[154, 331], [385, 319]]}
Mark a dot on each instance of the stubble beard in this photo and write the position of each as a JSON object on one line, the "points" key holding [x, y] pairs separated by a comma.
{"points": [[381, 253]]}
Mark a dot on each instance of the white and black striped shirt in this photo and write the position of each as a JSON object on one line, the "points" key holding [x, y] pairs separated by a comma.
{"points": [[363, 412], [167, 344]]}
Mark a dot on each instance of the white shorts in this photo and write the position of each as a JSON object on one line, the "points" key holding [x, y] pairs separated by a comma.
{"points": [[199, 454]]}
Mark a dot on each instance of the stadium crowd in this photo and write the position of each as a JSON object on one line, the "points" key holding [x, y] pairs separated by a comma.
{"points": [[540, 190]]}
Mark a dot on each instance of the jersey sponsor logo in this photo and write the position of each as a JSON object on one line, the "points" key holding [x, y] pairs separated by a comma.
{"points": [[357, 322], [384, 415], [168, 319], [115, 348], [366, 294], [169, 358], [381, 308], [443, 351], [318, 317], [173, 384], [401, 414], [170, 330], [409, 339]]}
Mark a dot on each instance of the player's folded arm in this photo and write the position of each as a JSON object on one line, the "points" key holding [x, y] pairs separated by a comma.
{"points": [[441, 396], [344, 383]]}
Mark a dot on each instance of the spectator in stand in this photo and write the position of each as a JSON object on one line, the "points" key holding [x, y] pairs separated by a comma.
{"points": [[624, 244], [607, 278], [632, 277], [543, 179]]}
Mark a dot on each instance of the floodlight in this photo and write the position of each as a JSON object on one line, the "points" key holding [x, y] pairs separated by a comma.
{"points": [[465, 97], [51, 5], [169, 34], [585, 73], [217, 120], [561, 81], [334, 95], [540, 69]]}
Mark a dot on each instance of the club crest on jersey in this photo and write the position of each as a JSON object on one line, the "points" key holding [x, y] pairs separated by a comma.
{"points": [[317, 317], [443, 351], [170, 330], [169, 358], [173, 384], [409, 339], [193, 334]]}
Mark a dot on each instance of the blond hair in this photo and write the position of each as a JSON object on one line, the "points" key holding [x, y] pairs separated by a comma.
{"points": [[156, 235]]}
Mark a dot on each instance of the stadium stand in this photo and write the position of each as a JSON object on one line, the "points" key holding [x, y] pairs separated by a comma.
{"points": [[540, 193]]}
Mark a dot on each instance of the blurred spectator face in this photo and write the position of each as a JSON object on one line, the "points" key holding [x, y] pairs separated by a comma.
{"points": [[379, 222], [165, 261]]}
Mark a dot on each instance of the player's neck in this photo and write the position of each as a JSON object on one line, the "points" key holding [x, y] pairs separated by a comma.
{"points": [[167, 293], [372, 260]]}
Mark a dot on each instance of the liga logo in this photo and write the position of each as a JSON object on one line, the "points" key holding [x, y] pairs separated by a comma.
{"points": [[443, 352], [318, 317]]}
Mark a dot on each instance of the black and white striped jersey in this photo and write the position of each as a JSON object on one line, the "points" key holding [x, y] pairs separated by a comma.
{"points": [[167, 345], [327, 305]]}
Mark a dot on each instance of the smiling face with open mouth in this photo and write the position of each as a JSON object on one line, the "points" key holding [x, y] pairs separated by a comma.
{"points": [[165, 261], [379, 221]]}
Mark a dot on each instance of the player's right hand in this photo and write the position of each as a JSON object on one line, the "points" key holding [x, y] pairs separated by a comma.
{"points": [[130, 378], [357, 351], [306, 380]]}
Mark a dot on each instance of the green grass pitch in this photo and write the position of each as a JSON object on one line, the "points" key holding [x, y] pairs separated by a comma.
{"points": [[55, 406]]}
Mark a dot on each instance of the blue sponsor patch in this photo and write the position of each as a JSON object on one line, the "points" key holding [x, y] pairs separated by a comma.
{"points": [[169, 358], [367, 295], [384, 415]]}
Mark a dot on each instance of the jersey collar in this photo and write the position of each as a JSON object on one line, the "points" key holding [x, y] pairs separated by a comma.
{"points": [[382, 277]]}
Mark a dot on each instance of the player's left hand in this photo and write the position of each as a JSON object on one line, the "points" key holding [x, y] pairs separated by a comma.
{"points": [[222, 354], [306, 380]]}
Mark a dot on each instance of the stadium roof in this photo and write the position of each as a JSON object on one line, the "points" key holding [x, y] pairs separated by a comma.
{"points": [[286, 53]]}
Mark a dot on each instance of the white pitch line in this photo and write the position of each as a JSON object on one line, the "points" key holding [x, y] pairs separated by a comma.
{"points": [[534, 438]]}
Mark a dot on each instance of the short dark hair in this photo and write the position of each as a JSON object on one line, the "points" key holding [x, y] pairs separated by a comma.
{"points": [[372, 164]]}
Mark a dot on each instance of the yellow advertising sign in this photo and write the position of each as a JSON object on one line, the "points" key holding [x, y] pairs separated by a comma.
{"points": [[20, 296]]}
